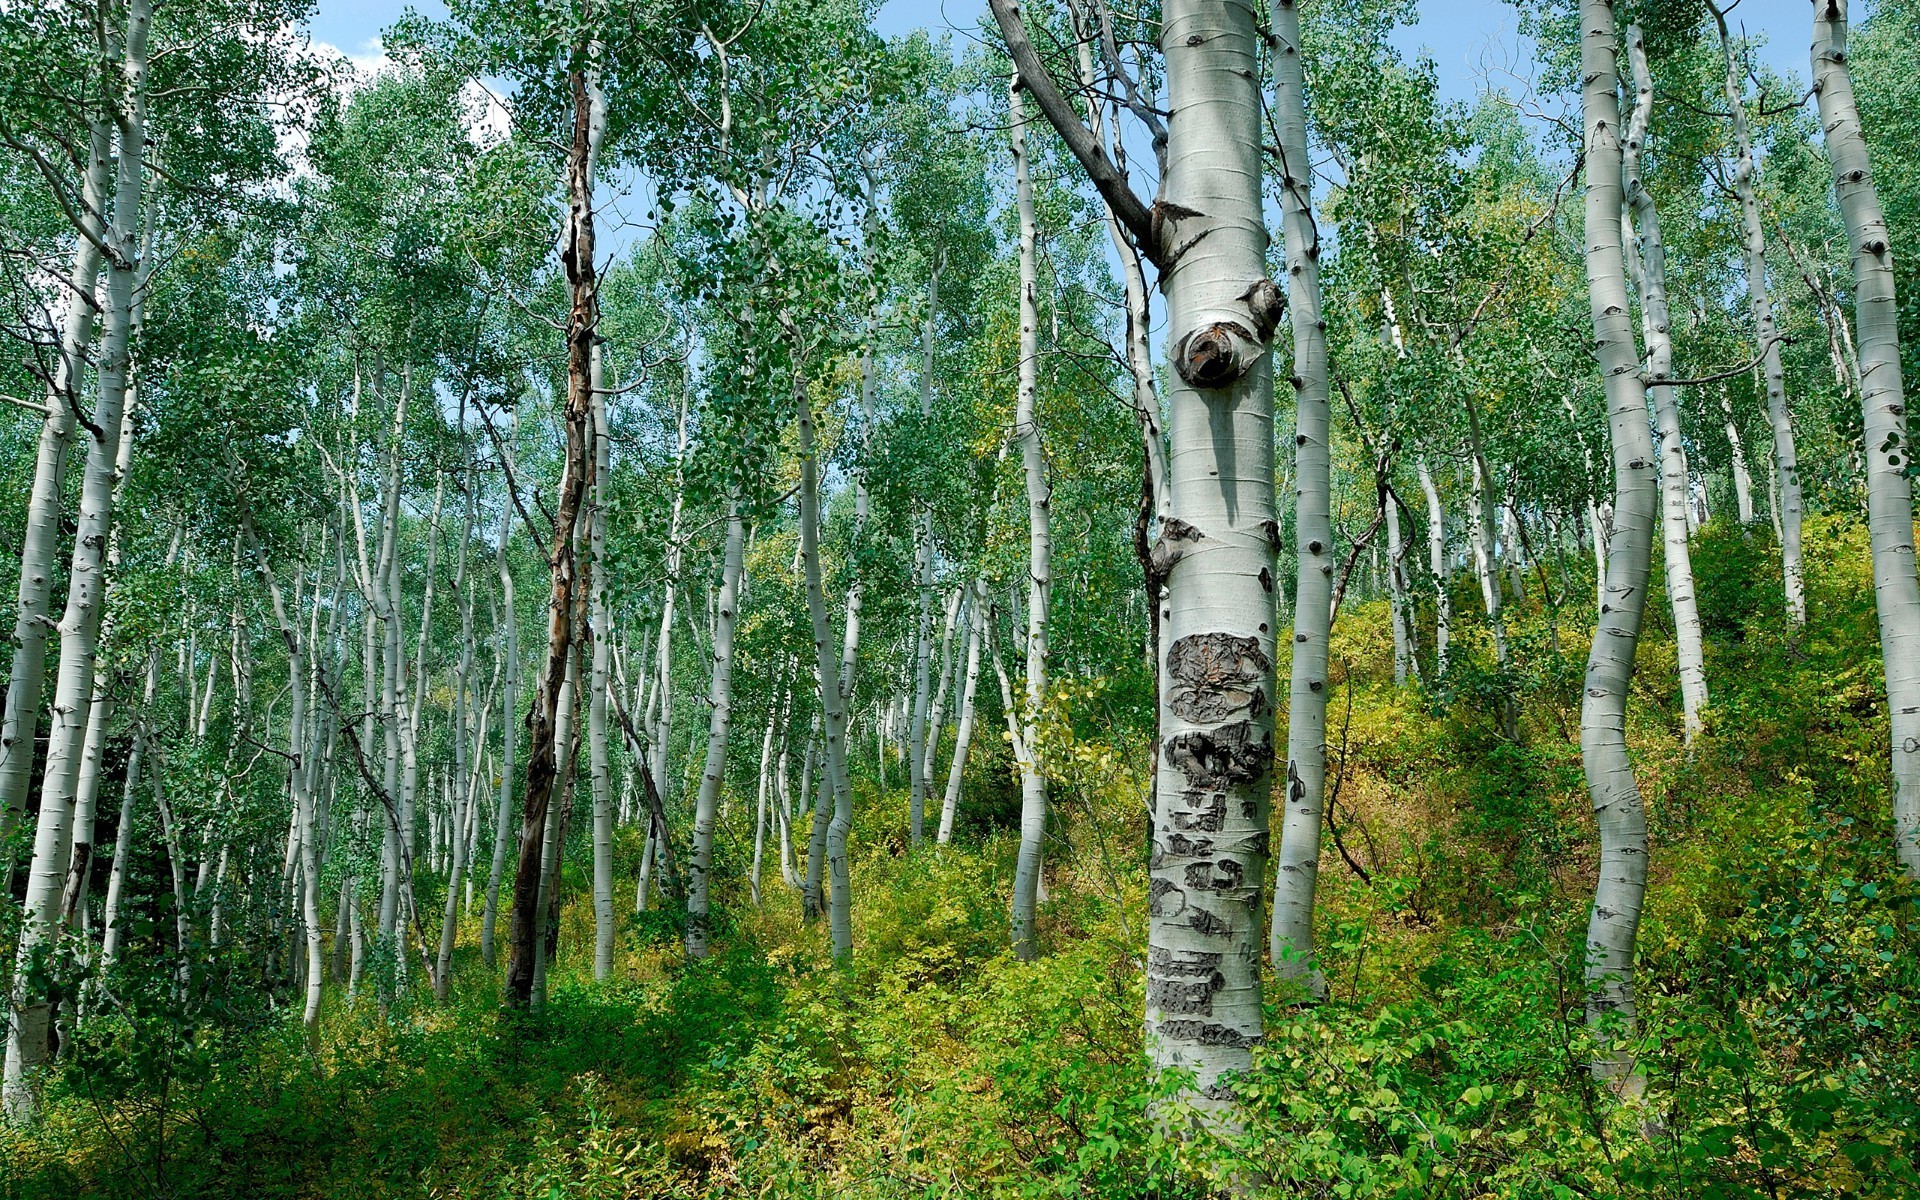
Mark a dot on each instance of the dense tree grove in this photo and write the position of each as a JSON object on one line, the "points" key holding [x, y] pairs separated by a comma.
{"points": [[684, 598]]}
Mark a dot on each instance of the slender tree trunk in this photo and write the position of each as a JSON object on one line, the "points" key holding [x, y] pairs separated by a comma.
{"points": [[918, 768], [963, 733], [509, 710], [40, 541], [1622, 819], [80, 623], [720, 700], [1786, 464], [937, 717], [1648, 266], [1889, 500], [1033, 784], [1291, 944], [544, 751], [830, 835], [598, 765], [1437, 565]]}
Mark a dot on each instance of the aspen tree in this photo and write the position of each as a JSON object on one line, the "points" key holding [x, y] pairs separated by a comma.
{"points": [[1291, 945], [1786, 462], [1216, 548], [1647, 264], [39, 543], [1033, 784], [79, 626], [1615, 918], [1896, 591], [720, 701]]}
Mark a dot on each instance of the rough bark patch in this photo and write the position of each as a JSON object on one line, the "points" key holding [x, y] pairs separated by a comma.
{"points": [[1229, 756], [1217, 676]]}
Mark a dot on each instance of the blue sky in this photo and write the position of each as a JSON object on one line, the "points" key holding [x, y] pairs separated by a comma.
{"points": [[1467, 38]]}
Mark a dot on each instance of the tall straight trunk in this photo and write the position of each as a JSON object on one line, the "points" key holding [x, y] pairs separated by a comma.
{"points": [[1216, 546], [918, 769], [1649, 270], [760, 807], [509, 650], [113, 929], [553, 835], [1485, 541], [1786, 464], [100, 710], [80, 623], [1291, 945], [299, 768], [40, 541], [1437, 565], [720, 701], [1622, 819], [662, 727], [1742, 476], [963, 733], [1398, 609], [598, 764], [544, 751], [1033, 458], [830, 838], [938, 713], [1896, 592]]}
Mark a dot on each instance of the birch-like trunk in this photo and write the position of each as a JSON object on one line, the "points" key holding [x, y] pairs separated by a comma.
{"points": [[1291, 943], [40, 541], [1209, 844], [918, 768], [1648, 265], [1896, 592], [720, 701], [80, 623], [830, 835], [1622, 819], [1033, 458], [509, 650], [963, 733], [1786, 463], [1437, 566], [598, 763], [937, 715]]}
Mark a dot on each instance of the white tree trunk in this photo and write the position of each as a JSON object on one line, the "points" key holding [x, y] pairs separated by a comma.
{"points": [[1437, 566], [598, 764], [509, 651], [40, 541], [1786, 463], [1889, 496], [1615, 919], [1209, 845], [713, 774], [1033, 457], [1648, 266], [963, 733], [1291, 944], [80, 623]]}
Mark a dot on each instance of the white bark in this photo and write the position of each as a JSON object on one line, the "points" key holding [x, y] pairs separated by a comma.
{"points": [[1614, 922], [1889, 497], [1786, 464], [720, 701], [40, 540], [1033, 458], [598, 765], [1291, 945], [509, 650], [963, 733], [1437, 566], [1648, 265], [80, 623], [1209, 850]]}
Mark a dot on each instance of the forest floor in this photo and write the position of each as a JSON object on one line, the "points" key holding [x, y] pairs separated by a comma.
{"points": [[1780, 1043]]}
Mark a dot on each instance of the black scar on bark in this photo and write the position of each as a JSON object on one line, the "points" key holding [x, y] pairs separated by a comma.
{"points": [[1186, 847], [1183, 982], [1228, 756], [1213, 357], [1165, 899], [1208, 925], [1219, 875], [1217, 676], [1207, 1033], [1211, 819], [1176, 540]]}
